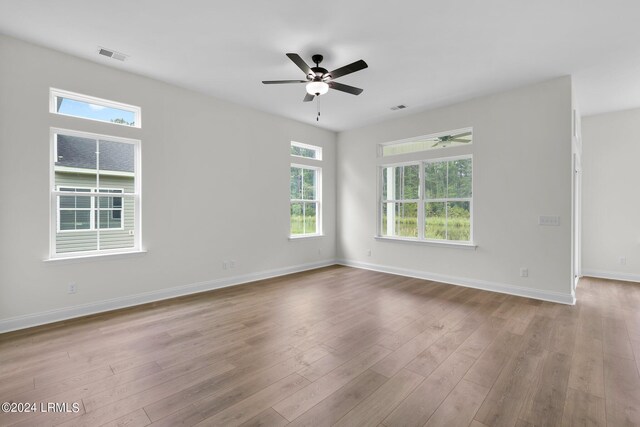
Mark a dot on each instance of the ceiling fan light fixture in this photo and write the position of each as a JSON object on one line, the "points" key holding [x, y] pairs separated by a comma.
{"points": [[317, 88]]}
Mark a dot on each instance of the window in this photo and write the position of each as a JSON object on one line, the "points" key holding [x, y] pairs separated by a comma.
{"points": [[430, 198], [95, 194], [307, 151], [91, 108], [305, 191], [426, 143]]}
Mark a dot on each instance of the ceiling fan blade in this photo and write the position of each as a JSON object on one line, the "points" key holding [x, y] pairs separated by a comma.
{"points": [[348, 69], [466, 141], [308, 97], [279, 82], [300, 63], [345, 88]]}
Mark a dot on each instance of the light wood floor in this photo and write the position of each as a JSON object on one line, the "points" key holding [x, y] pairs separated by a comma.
{"points": [[338, 346]]}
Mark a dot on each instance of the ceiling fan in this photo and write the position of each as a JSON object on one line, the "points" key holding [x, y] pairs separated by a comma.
{"points": [[319, 80], [447, 139]]}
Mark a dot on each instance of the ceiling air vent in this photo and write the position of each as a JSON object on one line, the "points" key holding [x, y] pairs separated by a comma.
{"points": [[112, 54], [398, 107]]}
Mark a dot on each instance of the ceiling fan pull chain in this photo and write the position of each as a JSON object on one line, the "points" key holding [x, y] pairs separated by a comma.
{"points": [[318, 104]]}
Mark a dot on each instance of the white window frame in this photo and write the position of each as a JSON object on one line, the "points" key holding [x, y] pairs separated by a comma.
{"points": [[92, 194], [423, 158], [315, 148], [56, 93], [316, 165], [55, 192], [317, 201]]}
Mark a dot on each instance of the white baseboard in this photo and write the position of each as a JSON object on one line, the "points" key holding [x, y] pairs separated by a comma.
{"points": [[613, 275], [469, 283], [36, 319]]}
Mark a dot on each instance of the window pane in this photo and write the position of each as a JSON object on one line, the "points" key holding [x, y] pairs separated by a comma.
{"points": [[427, 143], [411, 181], [296, 183], [310, 218], [400, 219], [435, 221], [303, 152], [117, 159], [435, 180], [309, 184], [297, 220], [86, 110], [459, 173], [67, 220], [83, 202], [459, 221], [107, 219], [67, 202]]}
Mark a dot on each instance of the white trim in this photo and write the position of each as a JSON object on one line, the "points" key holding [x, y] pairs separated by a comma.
{"points": [[466, 282], [461, 244], [317, 200], [75, 257], [59, 93], [305, 236], [611, 275], [36, 319]]}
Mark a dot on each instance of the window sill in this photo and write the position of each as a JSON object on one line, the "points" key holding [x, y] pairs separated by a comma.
{"points": [[306, 236], [94, 257], [457, 245]]}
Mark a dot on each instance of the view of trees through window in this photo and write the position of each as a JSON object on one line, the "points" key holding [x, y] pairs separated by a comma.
{"points": [[442, 196]]}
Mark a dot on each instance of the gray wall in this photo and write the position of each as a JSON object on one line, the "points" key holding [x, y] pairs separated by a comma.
{"points": [[522, 169], [611, 208], [215, 187]]}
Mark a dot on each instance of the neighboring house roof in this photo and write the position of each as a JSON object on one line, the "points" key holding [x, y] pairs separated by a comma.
{"points": [[76, 152]]}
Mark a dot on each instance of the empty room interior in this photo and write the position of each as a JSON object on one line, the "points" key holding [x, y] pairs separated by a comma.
{"points": [[356, 214]]}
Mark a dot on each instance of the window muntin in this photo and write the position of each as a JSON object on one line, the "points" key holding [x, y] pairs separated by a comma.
{"points": [[306, 151], [462, 137], [88, 212], [92, 108], [95, 194]]}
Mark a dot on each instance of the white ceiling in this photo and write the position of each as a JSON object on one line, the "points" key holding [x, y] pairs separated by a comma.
{"points": [[421, 53]]}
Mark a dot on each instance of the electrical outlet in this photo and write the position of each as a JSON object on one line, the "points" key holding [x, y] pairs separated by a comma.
{"points": [[552, 220], [368, 252], [622, 260], [524, 272], [72, 289], [225, 265], [232, 263], [319, 251]]}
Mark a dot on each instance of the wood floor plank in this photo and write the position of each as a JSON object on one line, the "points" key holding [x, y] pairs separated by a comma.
{"points": [[302, 401], [256, 403], [266, 418], [334, 407], [373, 409], [459, 408], [583, 410], [137, 418], [545, 403], [418, 407], [622, 391]]}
